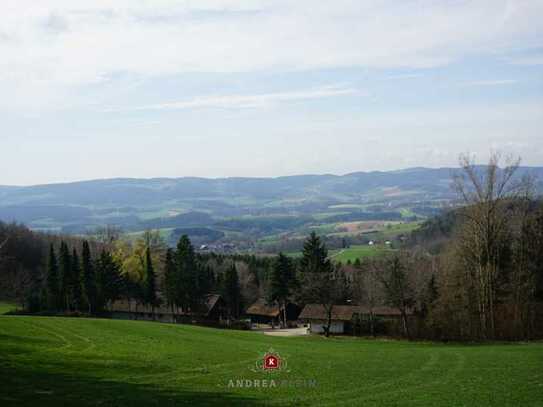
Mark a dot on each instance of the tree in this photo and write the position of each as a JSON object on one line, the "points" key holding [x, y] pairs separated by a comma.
{"points": [[282, 280], [320, 282], [66, 278], [526, 280], [150, 287], [484, 239], [168, 283], [367, 288], [88, 279], [231, 291], [397, 287], [187, 290], [77, 297], [315, 256], [109, 281], [53, 285]]}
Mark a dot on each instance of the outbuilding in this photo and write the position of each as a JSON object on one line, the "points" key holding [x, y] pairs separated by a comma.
{"points": [[261, 312]]}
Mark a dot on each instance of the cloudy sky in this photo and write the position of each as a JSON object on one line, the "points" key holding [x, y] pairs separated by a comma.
{"points": [[100, 88]]}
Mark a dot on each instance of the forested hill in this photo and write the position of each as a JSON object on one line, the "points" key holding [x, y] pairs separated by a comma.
{"points": [[199, 202]]}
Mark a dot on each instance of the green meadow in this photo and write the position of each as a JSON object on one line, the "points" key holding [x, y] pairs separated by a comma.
{"points": [[358, 252], [98, 362]]}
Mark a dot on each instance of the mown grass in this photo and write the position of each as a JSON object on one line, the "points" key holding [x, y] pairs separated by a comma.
{"points": [[89, 362]]}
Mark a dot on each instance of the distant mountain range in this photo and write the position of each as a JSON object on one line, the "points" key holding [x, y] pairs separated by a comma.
{"points": [[136, 204]]}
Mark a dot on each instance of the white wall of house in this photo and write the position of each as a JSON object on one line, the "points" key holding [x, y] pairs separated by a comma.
{"points": [[317, 327]]}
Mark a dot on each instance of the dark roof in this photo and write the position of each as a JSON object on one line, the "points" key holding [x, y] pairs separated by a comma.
{"points": [[346, 312], [211, 300], [317, 311], [260, 307]]}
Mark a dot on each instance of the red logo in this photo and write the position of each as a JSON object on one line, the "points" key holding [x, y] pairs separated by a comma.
{"points": [[271, 361]]}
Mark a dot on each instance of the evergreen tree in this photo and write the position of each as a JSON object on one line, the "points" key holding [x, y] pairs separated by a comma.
{"points": [[231, 291], [282, 280], [315, 256], [319, 282], [169, 278], [66, 279], [206, 280], [88, 278], [149, 286], [77, 296], [109, 281], [187, 292], [53, 285]]}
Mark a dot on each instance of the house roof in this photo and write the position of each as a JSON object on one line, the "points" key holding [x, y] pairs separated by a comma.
{"points": [[317, 311], [346, 312], [260, 307], [211, 301]]}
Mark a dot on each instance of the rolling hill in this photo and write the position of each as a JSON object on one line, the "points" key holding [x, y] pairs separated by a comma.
{"points": [[244, 205]]}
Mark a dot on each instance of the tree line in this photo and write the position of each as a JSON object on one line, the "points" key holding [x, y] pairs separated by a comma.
{"points": [[483, 281]]}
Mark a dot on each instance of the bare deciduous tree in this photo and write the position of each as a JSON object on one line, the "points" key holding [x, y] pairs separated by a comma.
{"points": [[367, 289], [486, 192], [395, 278]]}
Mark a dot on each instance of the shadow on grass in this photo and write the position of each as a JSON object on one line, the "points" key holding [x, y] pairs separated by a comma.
{"points": [[29, 377], [31, 386]]}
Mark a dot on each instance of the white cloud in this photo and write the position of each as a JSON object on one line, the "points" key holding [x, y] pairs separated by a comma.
{"points": [[252, 101], [62, 43]]}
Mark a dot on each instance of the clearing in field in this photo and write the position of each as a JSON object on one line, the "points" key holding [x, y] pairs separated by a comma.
{"points": [[89, 362]]}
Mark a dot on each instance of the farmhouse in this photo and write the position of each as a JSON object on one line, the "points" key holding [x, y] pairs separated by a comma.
{"points": [[345, 317], [261, 312]]}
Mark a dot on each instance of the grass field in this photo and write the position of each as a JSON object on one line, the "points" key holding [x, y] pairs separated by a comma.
{"points": [[357, 252], [6, 307], [84, 362]]}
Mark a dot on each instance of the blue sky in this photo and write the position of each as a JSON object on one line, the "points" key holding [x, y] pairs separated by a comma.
{"points": [[99, 89]]}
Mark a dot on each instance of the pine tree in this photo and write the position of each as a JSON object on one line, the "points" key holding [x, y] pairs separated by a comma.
{"points": [[149, 287], [66, 280], [319, 282], [109, 281], [315, 256], [231, 291], [88, 278], [77, 297], [169, 278], [187, 292], [53, 285], [282, 280]]}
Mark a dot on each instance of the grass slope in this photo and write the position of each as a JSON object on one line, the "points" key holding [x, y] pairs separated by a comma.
{"points": [[87, 362], [6, 307]]}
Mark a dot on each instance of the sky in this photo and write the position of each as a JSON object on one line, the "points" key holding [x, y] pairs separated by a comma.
{"points": [[99, 89]]}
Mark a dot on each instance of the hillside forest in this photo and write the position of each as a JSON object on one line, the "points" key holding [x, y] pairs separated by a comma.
{"points": [[474, 272]]}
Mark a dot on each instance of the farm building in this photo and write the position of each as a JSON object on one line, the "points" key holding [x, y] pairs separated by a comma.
{"points": [[346, 317], [213, 310], [261, 312]]}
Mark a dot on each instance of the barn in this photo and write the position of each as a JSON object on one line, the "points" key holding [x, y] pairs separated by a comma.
{"points": [[346, 317], [213, 309], [260, 312], [316, 316]]}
